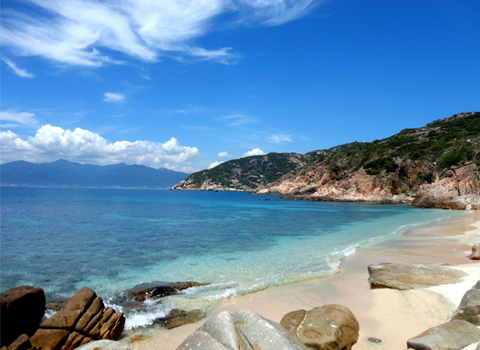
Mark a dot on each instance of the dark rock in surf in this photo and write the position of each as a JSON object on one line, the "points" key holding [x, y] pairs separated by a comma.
{"points": [[149, 290], [22, 310]]}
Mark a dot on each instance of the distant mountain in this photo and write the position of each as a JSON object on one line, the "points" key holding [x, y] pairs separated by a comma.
{"points": [[65, 173]]}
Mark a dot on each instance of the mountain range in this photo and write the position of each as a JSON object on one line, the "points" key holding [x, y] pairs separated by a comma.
{"points": [[65, 173]]}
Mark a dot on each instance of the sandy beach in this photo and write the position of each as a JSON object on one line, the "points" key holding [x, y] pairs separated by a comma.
{"points": [[389, 315]]}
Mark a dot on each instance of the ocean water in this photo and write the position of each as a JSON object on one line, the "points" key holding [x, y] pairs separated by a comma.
{"points": [[62, 239]]}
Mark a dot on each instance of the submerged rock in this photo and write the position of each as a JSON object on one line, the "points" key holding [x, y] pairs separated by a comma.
{"points": [[328, 327], [411, 276], [177, 318], [22, 310], [455, 334], [157, 289], [242, 329]]}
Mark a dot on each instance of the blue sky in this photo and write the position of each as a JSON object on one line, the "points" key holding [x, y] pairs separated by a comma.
{"points": [[188, 84]]}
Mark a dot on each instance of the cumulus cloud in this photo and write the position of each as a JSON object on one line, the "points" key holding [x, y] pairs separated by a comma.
{"points": [[89, 32], [224, 154], [279, 138], [52, 142], [18, 71], [113, 97], [214, 164], [12, 119], [254, 152]]}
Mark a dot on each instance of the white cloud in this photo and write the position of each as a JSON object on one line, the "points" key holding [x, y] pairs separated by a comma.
{"points": [[89, 32], [214, 164], [279, 138], [254, 152], [17, 119], [224, 154], [52, 142], [18, 71], [113, 97]]}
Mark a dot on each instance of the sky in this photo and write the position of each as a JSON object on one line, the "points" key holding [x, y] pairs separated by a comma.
{"points": [[188, 84]]}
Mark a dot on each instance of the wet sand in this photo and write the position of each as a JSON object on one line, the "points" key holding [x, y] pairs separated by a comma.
{"points": [[389, 315]]}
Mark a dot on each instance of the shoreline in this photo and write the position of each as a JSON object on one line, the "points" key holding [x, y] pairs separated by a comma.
{"points": [[389, 315]]}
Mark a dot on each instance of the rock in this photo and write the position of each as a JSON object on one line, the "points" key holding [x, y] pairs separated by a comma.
{"points": [[177, 318], [451, 335], [104, 344], [22, 310], [469, 308], [411, 276], [427, 201], [242, 329], [475, 255], [328, 327], [51, 339], [145, 291], [83, 319], [21, 343]]}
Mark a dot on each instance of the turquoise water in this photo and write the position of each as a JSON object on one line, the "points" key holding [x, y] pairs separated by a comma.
{"points": [[62, 239]]}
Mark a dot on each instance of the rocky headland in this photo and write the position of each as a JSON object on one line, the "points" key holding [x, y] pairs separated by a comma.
{"points": [[437, 165]]}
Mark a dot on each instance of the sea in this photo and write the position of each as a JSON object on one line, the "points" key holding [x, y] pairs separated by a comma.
{"points": [[63, 239]]}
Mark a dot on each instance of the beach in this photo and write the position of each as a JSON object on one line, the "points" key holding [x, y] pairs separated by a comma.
{"points": [[389, 316]]}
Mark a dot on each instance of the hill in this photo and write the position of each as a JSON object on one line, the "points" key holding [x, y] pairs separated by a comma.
{"points": [[250, 173], [435, 165], [65, 173]]}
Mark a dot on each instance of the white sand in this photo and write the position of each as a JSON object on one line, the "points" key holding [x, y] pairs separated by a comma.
{"points": [[390, 315]]}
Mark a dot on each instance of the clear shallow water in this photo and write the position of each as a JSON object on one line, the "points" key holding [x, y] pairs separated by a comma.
{"points": [[62, 239]]}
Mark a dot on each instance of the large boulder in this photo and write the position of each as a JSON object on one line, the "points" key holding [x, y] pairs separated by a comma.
{"points": [[157, 289], [242, 329], [469, 308], [83, 319], [22, 310], [452, 335], [328, 327], [411, 276]]}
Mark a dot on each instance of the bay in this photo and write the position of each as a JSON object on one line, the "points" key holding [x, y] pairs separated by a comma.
{"points": [[62, 239]]}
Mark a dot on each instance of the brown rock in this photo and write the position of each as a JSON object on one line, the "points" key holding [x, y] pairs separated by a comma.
{"points": [[93, 310], [73, 341], [21, 343], [475, 255], [71, 313], [329, 327], [411, 276], [51, 339], [145, 291], [22, 309]]}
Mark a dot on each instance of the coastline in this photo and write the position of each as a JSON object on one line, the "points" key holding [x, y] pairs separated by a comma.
{"points": [[389, 315]]}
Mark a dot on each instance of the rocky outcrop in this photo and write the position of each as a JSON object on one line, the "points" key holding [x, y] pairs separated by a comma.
{"points": [[242, 329], [455, 334], [469, 308], [149, 290], [22, 310], [329, 327], [455, 188], [411, 276]]}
